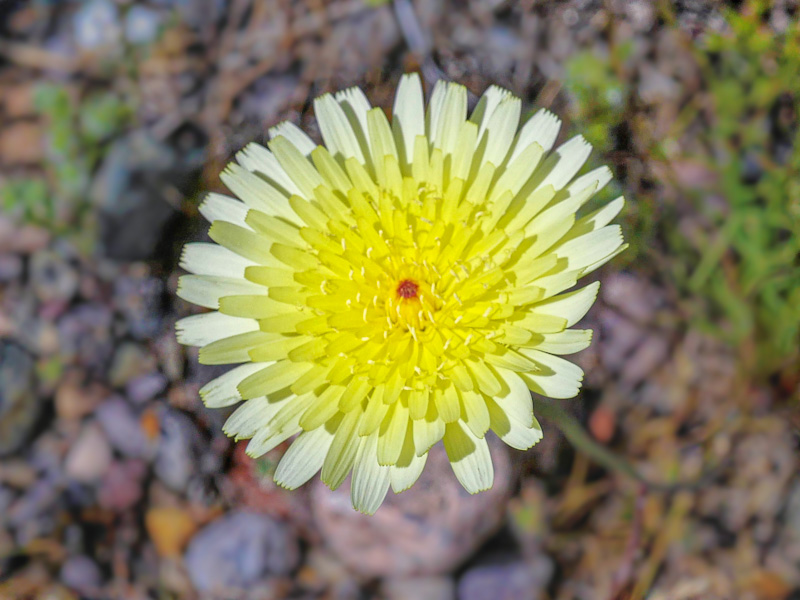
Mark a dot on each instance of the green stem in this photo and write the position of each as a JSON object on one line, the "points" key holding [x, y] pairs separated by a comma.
{"points": [[583, 442]]}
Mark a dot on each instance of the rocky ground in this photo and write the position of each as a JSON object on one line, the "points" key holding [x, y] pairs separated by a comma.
{"points": [[116, 482]]}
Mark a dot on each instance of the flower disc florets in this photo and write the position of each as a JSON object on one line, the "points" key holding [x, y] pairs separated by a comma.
{"points": [[398, 286]]}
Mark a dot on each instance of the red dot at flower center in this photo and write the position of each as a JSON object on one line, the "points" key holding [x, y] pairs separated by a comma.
{"points": [[407, 289]]}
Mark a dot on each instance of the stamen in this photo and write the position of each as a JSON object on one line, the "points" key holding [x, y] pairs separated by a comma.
{"points": [[407, 289]]}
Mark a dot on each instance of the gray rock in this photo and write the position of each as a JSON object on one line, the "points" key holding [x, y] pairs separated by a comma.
{"points": [[84, 335], [20, 406], [123, 428], [122, 486], [81, 574], [429, 529], [130, 361], [420, 588], [10, 267], [141, 24], [131, 192], [38, 499], [239, 550], [139, 300], [511, 581], [145, 387], [96, 25], [6, 498], [178, 450], [89, 457]]}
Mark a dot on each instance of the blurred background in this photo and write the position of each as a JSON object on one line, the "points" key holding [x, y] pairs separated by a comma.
{"points": [[116, 483]]}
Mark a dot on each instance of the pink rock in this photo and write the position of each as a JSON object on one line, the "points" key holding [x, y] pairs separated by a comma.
{"points": [[121, 487], [427, 530], [89, 457]]}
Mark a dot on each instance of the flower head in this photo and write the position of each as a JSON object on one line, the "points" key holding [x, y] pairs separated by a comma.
{"points": [[403, 284]]}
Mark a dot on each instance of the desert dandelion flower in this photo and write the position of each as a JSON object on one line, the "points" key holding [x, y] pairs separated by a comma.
{"points": [[403, 284]]}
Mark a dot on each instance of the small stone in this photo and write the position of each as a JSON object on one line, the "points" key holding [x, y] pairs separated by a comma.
{"points": [[17, 100], [84, 335], [322, 572], [20, 405], [21, 144], [81, 574], [52, 277], [96, 25], [17, 473], [122, 485], [139, 298], [420, 588], [38, 499], [178, 446], [29, 239], [74, 401], [170, 528], [130, 360], [128, 191], [145, 387], [512, 581], [141, 25], [238, 551], [6, 498], [427, 530], [89, 457], [123, 428], [10, 267]]}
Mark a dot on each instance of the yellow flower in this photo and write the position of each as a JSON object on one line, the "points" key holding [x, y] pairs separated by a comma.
{"points": [[401, 285]]}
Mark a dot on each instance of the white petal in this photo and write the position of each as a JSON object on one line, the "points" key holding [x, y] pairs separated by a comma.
{"points": [[435, 108], [254, 157], [202, 258], [303, 458], [512, 431], [601, 176], [222, 391], [565, 162], [380, 135], [500, 128], [558, 378], [448, 123], [475, 414], [572, 306], [427, 431], [206, 290], [294, 134], [489, 101], [542, 128], [256, 192], [336, 129], [297, 166], [516, 403], [218, 207], [553, 223], [409, 466], [587, 249], [199, 330], [283, 425], [370, 480], [356, 106], [470, 458], [565, 342], [392, 433], [342, 452], [250, 417], [408, 120], [603, 216]]}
